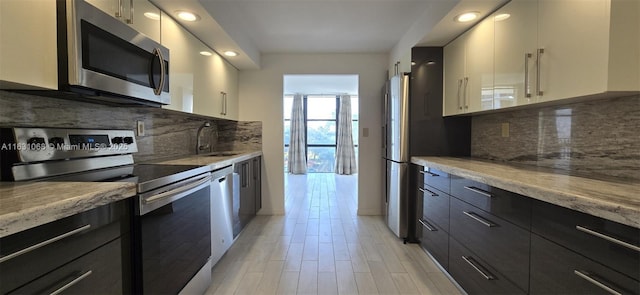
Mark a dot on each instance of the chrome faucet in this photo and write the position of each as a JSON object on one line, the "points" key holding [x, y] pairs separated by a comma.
{"points": [[199, 146]]}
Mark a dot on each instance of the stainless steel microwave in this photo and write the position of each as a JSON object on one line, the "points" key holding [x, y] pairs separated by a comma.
{"points": [[103, 58]]}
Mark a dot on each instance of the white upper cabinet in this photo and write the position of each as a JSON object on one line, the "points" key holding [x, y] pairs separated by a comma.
{"points": [[468, 62], [28, 45], [587, 47], [140, 14], [200, 84], [516, 36]]}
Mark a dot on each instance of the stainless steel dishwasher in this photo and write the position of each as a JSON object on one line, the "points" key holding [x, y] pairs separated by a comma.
{"points": [[221, 212]]}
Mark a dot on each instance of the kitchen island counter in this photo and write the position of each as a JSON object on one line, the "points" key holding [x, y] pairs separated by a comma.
{"points": [[615, 201], [24, 205]]}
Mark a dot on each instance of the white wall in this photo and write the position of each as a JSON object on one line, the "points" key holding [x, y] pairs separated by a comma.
{"points": [[261, 100]]}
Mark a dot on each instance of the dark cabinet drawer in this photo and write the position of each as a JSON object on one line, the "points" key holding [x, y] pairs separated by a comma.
{"points": [[435, 207], [500, 243], [60, 242], [435, 178], [612, 244], [475, 275], [557, 270], [98, 272], [504, 204], [435, 241]]}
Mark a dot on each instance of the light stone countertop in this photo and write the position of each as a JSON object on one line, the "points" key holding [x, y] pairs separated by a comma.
{"points": [[214, 162], [24, 205], [619, 202]]}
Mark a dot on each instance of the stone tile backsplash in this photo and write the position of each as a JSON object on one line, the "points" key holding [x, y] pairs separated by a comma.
{"points": [[168, 133], [598, 138]]}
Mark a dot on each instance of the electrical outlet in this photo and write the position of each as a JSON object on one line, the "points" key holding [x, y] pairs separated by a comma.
{"points": [[140, 128], [505, 129]]}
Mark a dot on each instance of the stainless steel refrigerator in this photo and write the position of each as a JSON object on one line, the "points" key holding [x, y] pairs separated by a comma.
{"points": [[395, 153]]}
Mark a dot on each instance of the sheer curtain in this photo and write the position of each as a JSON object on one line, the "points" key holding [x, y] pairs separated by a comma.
{"points": [[297, 145], [345, 151]]}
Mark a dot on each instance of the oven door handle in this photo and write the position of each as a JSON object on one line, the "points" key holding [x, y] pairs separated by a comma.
{"points": [[175, 194]]}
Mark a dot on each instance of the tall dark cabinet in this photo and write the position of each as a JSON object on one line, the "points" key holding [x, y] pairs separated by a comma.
{"points": [[431, 133]]}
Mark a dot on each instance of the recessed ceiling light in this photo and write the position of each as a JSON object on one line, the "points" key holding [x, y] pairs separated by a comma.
{"points": [[467, 16], [230, 53], [501, 17], [187, 15], [413, 63], [206, 53], [152, 15], [430, 63]]}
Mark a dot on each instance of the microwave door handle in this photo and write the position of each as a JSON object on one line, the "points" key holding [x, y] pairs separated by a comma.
{"points": [[158, 90]]}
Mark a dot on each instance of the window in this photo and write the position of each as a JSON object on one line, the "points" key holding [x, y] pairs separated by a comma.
{"points": [[321, 121]]}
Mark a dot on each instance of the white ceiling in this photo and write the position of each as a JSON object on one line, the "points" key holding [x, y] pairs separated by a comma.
{"points": [[320, 84], [252, 27]]}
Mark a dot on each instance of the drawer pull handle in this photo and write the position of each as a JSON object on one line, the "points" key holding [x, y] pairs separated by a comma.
{"points": [[70, 284], [608, 238], [429, 173], [587, 276], [427, 225], [479, 219], [44, 243], [486, 274], [479, 191], [424, 190]]}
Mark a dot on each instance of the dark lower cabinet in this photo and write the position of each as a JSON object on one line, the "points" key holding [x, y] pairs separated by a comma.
{"points": [[97, 272], [435, 240], [557, 270], [475, 275], [249, 200], [92, 248]]}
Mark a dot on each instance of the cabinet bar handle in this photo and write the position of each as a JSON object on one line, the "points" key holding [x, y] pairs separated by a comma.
{"points": [[130, 20], [587, 276], [479, 191], [527, 88], [427, 225], [479, 219], [429, 173], [424, 190], [487, 275], [608, 238], [70, 284], [120, 11], [538, 57], [44, 243], [459, 86], [464, 92]]}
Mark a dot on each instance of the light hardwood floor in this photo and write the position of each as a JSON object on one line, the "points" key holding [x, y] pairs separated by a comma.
{"points": [[322, 247]]}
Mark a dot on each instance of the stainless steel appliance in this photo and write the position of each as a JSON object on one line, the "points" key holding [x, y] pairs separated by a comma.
{"points": [[102, 58], [222, 195], [171, 226], [396, 153]]}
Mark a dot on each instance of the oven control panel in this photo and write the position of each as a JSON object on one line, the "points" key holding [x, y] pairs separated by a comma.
{"points": [[30, 144]]}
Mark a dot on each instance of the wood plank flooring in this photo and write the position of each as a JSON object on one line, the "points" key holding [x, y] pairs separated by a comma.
{"points": [[322, 247]]}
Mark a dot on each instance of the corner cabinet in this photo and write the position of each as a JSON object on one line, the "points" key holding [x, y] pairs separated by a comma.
{"points": [[545, 51], [492, 241]]}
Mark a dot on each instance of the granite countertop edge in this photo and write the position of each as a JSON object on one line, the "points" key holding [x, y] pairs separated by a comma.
{"points": [[614, 201], [48, 207]]}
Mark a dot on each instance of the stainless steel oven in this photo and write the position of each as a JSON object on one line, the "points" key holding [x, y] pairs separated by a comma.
{"points": [[171, 232], [108, 60]]}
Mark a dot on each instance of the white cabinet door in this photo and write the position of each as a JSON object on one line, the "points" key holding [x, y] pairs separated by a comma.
{"points": [[574, 35], [454, 59], [181, 67], [28, 45], [515, 44], [133, 14], [478, 83]]}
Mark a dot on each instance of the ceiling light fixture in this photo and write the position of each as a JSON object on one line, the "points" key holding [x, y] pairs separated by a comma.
{"points": [[187, 15], [230, 53], [152, 15], [501, 17], [413, 63], [467, 16], [206, 53]]}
